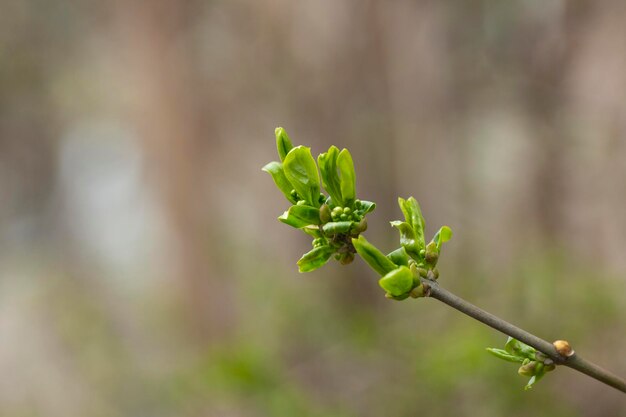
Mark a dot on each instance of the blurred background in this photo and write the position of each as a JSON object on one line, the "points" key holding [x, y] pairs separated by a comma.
{"points": [[142, 269]]}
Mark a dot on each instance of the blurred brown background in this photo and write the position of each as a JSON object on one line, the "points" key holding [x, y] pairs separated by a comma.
{"points": [[142, 269]]}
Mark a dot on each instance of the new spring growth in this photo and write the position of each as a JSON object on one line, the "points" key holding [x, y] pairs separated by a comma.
{"points": [[323, 204], [331, 219], [534, 364], [335, 220]]}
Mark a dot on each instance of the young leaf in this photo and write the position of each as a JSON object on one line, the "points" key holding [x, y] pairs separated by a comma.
{"points": [[375, 258], [397, 282], [283, 144], [367, 206], [348, 177], [443, 235], [503, 354], [275, 169], [330, 180], [334, 228], [315, 258], [312, 230], [515, 347], [399, 257], [407, 238], [301, 171], [300, 215], [413, 215]]}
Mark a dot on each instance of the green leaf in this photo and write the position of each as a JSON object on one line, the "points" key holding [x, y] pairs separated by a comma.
{"points": [[316, 258], [312, 230], [335, 228], [330, 180], [275, 169], [503, 354], [375, 258], [413, 215], [283, 144], [408, 239], [300, 215], [347, 178], [367, 206], [301, 171], [443, 235], [515, 347], [397, 282], [399, 257]]}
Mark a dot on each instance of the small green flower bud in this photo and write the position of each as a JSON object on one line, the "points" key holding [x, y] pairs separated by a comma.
{"points": [[343, 217], [346, 210], [301, 202]]}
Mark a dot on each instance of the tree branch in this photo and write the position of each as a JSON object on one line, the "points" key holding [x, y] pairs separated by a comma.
{"points": [[574, 361]]}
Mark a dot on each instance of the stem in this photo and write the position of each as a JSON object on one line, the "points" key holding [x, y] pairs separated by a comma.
{"points": [[574, 361]]}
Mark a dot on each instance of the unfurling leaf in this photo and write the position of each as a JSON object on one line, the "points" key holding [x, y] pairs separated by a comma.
{"points": [[335, 228], [399, 257], [408, 239], [330, 179], [300, 216], [503, 354], [375, 258], [275, 169], [315, 258], [347, 179], [301, 171], [413, 215], [366, 206], [443, 235], [397, 282], [283, 144], [515, 347]]}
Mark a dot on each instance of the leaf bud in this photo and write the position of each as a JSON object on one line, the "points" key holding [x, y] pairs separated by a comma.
{"points": [[361, 226], [528, 369], [325, 214], [346, 258], [563, 348]]}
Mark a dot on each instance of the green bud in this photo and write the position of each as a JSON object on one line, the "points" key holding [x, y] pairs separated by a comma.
{"points": [[346, 210], [527, 369], [432, 254], [418, 291], [361, 226], [346, 258], [344, 217], [325, 214]]}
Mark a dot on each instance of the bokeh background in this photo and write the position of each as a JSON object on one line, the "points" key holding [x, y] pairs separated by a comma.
{"points": [[142, 269]]}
